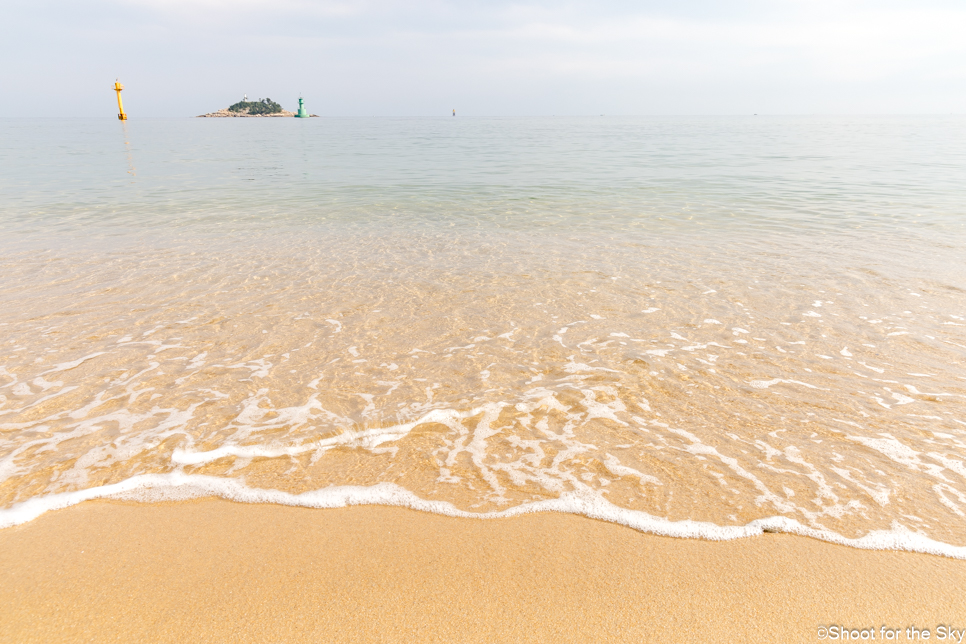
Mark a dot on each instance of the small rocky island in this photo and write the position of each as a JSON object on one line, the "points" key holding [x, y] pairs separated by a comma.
{"points": [[248, 109]]}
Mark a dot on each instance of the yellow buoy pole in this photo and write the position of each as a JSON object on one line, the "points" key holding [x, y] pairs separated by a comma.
{"points": [[120, 106]]}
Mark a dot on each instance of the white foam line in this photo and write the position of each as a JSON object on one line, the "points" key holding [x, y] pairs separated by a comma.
{"points": [[66, 366], [765, 384], [368, 438], [177, 486]]}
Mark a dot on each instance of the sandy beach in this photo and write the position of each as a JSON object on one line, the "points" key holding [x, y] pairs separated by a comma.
{"points": [[348, 341], [212, 570], [568, 323]]}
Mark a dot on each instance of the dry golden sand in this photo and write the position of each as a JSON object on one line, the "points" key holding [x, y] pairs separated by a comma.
{"points": [[216, 571]]}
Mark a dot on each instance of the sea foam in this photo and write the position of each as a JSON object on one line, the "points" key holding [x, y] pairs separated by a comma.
{"points": [[177, 486]]}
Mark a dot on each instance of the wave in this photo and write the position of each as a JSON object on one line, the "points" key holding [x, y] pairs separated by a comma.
{"points": [[177, 486]]}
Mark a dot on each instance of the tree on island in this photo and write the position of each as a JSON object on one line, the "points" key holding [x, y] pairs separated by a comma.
{"points": [[264, 106]]}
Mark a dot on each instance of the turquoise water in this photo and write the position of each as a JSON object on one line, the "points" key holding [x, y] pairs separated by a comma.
{"points": [[804, 174], [658, 321]]}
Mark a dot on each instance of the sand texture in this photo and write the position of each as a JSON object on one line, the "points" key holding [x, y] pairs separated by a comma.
{"points": [[216, 571]]}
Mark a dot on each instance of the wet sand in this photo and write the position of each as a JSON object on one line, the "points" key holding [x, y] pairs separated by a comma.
{"points": [[211, 570]]}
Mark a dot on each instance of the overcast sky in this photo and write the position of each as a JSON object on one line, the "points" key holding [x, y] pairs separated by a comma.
{"points": [[425, 57]]}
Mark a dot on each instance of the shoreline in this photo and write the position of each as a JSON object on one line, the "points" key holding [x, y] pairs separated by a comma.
{"points": [[179, 487], [214, 570], [224, 113]]}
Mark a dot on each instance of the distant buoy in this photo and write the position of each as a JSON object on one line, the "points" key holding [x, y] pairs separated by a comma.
{"points": [[454, 109], [302, 114], [120, 106]]}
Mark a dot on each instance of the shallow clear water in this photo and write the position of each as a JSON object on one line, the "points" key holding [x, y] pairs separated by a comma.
{"points": [[649, 320]]}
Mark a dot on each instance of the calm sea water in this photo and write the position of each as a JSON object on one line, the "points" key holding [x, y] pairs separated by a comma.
{"points": [[694, 326]]}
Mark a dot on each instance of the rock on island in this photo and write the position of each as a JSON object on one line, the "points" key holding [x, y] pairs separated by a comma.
{"points": [[265, 107]]}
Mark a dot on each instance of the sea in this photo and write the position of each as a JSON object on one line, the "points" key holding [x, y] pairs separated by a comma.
{"points": [[700, 327]]}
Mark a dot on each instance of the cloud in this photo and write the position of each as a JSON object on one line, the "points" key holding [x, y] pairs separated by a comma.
{"points": [[504, 56]]}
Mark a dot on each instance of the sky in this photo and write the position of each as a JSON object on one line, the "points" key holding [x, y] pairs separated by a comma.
{"points": [[494, 58]]}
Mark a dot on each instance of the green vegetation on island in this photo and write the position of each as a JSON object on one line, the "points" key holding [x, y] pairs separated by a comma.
{"points": [[264, 106]]}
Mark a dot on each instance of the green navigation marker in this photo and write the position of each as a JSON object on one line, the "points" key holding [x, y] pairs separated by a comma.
{"points": [[302, 114]]}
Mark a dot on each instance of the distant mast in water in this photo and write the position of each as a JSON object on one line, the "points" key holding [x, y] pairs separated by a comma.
{"points": [[120, 106]]}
